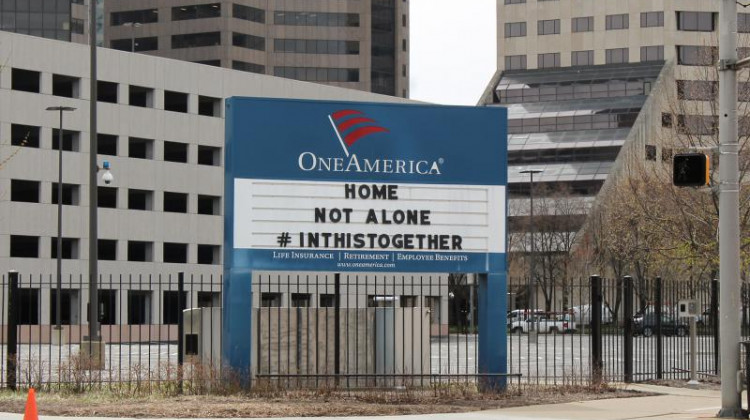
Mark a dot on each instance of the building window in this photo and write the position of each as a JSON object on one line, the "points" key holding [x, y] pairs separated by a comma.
{"points": [[215, 63], [140, 96], [22, 246], [270, 300], [696, 21], [582, 24], [209, 299], [208, 155], [77, 26], [65, 86], [69, 248], [743, 23], [652, 53], [315, 19], [650, 152], [666, 120], [515, 1], [318, 74], [149, 43], [301, 300], [616, 22], [171, 309], [108, 306], [139, 148], [209, 204], [175, 202], [666, 154], [248, 67], [139, 307], [549, 60], [208, 254], [69, 305], [70, 140], [691, 55], [582, 58], [327, 300], [548, 27], [248, 13], [208, 106], [70, 194], [140, 199], [515, 29], [24, 135], [24, 191], [616, 55], [106, 197], [134, 16], [175, 101], [140, 251], [106, 144], [175, 253], [25, 80], [196, 11], [106, 249], [695, 90], [202, 39], [652, 19], [28, 304], [316, 46], [175, 152], [248, 41]]}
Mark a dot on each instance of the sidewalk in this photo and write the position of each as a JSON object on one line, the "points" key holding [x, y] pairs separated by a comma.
{"points": [[673, 403]]}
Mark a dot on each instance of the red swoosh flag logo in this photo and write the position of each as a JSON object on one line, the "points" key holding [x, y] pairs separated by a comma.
{"points": [[351, 125]]}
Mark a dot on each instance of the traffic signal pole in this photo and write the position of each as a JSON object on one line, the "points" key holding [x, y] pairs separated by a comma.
{"points": [[729, 229]]}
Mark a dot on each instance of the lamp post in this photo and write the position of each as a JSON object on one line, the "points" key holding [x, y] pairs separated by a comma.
{"points": [[132, 26], [532, 256], [58, 298]]}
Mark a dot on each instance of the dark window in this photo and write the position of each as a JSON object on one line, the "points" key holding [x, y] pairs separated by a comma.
{"points": [[196, 11], [65, 86], [139, 307], [215, 63], [695, 21], [106, 91], [666, 154], [141, 96], [563, 155], [318, 74], [316, 46], [301, 300], [666, 120], [28, 304], [209, 299], [248, 41], [140, 148], [315, 19], [327, 300], [208, 254], [24, 135], [107, 197], [616, 22], [70, 140], [616, 55], [652, 19], [209, 204], [175, 202], [515, 1], [582, 24], [248, 67], [106, 144], [140, 199], [24, 191], [22, 246], [743, 23], [70, 194], [548, 27], [150, 43], [107, 306], [208, 155], [175, 152], [25, 80], [652, 53], [248, 13], [270, 300], [582, 58], [202, 39], [382, 52], [650, 152], [69, 248], [515, 62], [175, 101], [693, 55], [175, 253], [208, 106], [408, 301], [697, 90], [140, 251], [134, 16], [699, 125], [106, 249], [68, 307], [515, 29], [548, 60], [171, 308], [77, 26]]}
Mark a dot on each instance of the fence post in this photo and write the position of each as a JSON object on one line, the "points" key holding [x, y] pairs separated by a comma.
{"points": [[628, 341], [337, 327], [714, 319], [596, 329], [180, 326], [659, 346], [11, 354]]}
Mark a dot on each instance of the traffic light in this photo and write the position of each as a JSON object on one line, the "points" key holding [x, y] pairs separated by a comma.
{"points": [[690, 170]]}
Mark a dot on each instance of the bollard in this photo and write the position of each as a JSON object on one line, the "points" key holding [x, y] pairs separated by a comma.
{"points": [[180, 326], [595, 310], [628, 341], [12, 349], [659, 346]]}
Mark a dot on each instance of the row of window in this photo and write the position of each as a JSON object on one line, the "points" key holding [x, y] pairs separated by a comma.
{"points": [[29, 191], [686, 21], [569, 91], [24, 246], [138, 304], [575, 123], [585, 58], [253, 14], [70, 87], [701, 90], [317, 74], [563, 155]]}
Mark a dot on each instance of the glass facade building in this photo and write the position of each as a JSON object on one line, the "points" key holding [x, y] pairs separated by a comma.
{"points": [[44, 18]]}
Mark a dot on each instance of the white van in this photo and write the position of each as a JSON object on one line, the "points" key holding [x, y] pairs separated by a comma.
{"points": [[523, 314]]}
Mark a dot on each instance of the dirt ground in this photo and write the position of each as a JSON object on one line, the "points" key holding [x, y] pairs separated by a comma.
{"points": [[300, 403]]}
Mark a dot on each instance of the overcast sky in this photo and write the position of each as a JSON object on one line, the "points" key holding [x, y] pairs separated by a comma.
{"points": [[453, 54]]}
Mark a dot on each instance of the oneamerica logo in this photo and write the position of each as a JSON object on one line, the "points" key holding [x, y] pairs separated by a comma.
{"points": [[350, 126], [308, 161]]}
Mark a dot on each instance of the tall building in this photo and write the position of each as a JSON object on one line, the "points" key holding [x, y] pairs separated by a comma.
{"points": [[63, 20]]}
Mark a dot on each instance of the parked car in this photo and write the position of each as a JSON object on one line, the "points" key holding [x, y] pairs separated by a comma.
{"points": [[524, 314], [543, 325], [646, 325]]}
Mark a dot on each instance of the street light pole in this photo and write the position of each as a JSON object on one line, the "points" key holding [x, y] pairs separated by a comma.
{"points": [[132, 26], [93, 169], [58, 298], [532, 256]]}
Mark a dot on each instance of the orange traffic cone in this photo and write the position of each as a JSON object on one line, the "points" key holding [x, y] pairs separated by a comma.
{"points": [[30, 412]]}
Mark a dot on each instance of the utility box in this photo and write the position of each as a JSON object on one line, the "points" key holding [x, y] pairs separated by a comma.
{"points": [[687, 308], [201, 336], [402, 346]]}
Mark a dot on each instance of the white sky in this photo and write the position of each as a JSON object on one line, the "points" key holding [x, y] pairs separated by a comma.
{"points": [[453, 49]]}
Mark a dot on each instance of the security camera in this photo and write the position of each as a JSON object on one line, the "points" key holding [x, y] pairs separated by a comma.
{"points": [[107, 176]]}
